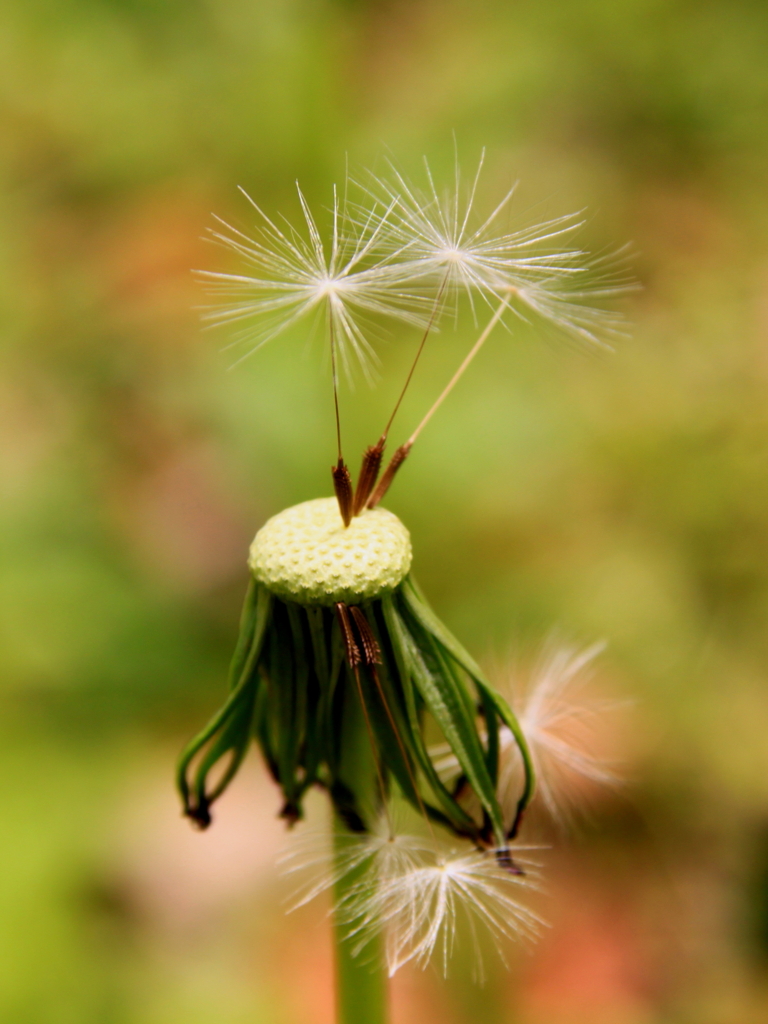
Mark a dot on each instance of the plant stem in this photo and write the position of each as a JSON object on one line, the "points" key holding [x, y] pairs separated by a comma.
{"points": [[361, 981]]}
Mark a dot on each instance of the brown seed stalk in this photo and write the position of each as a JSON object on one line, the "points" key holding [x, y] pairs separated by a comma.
{"points": [[420, 349], [342, 485], [369, 472], [354, 657], [371, 649], [372, 658], [389, 473]]}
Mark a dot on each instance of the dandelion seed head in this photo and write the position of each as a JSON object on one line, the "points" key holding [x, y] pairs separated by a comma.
{"points": [[293, 273], [396, 251], [549, 279], [306, 554]]}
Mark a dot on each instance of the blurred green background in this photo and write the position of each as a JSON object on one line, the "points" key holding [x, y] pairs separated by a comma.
{"points": [[623, 497]]}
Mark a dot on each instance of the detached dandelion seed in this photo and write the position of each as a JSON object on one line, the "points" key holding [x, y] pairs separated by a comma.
{"points": [[561, 719], [417, 889], [421, 901], [383, 851], [342, 673]]}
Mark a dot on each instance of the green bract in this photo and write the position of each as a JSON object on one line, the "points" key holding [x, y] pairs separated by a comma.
{"points": [[306, 554]]}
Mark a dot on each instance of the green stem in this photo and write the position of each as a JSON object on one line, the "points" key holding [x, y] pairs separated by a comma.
{"points": [[361, 981]]}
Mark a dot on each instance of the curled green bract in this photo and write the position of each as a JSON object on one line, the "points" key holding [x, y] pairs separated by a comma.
{"points": [[343, 674], [305, 554]]}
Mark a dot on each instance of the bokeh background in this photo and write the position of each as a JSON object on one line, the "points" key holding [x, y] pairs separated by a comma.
{"points": [[622, 497]]}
